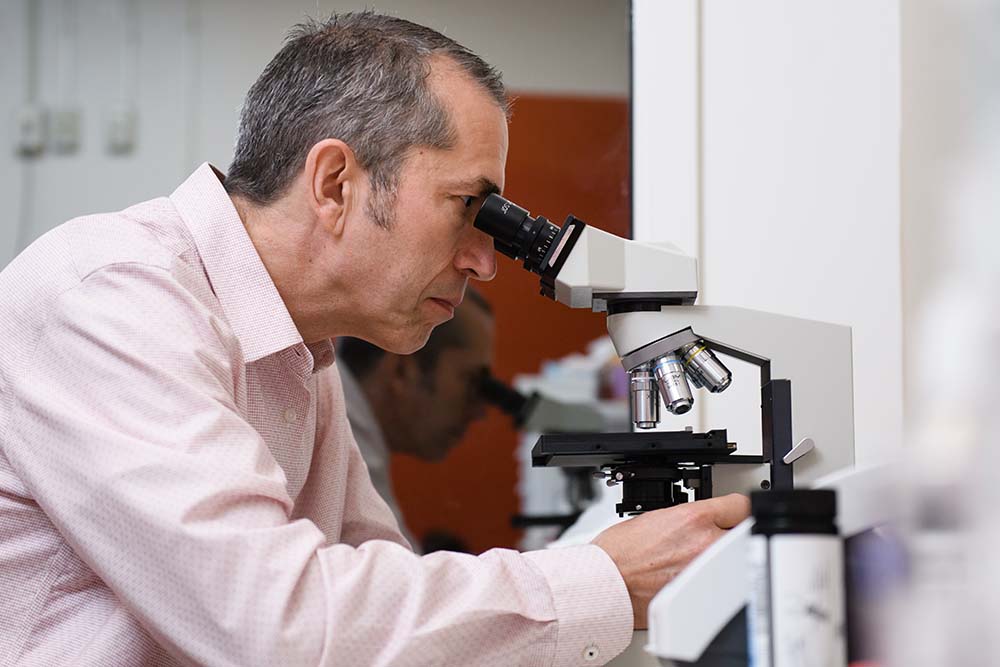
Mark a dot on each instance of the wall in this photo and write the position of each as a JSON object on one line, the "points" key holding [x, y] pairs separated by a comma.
{"points": [[787, 113], [576, 47], [13, 81], [184, 67], [951, 135]]}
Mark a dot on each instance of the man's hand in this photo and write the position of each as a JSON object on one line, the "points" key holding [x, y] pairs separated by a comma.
{"points": [[654, 547]]}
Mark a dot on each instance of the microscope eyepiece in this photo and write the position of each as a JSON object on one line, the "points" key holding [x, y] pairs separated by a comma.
{"points": [[515, 233]]}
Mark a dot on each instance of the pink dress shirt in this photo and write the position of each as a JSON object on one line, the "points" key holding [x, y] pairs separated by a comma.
{"points": [[179, 483]]}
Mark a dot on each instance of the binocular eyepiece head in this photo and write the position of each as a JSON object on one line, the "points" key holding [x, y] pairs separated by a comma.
{"points": [[515, 233]]}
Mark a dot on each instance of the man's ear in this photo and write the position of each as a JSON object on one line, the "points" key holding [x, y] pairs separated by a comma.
{"points": [[331, 171]]}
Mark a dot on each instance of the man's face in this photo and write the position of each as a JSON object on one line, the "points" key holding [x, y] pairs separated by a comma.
{"points": [[447, 399], [416, 271]]}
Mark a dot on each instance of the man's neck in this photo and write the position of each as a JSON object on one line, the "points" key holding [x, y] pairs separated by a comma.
{"points": [[286, 247]]}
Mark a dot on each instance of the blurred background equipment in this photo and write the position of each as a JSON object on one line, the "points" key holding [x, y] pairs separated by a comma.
{"points": [[591, 397], [948, 611]]}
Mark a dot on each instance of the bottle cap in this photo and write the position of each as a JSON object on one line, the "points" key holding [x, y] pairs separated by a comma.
{"points": [[795, 511]]}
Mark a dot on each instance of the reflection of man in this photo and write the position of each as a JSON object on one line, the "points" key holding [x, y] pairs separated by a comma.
{"points": [[178, 480], [419, 404]]}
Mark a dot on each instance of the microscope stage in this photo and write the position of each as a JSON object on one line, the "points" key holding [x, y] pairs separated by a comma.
{"points": [[650, 447]]}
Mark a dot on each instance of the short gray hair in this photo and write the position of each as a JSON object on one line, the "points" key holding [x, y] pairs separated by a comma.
{"points": [[360, 77]]}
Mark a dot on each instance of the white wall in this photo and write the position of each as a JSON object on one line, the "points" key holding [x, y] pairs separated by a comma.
{"points": [[794, 110], [125, 59], [557, 46], [185, 65], [950, 181], [13, 74]]}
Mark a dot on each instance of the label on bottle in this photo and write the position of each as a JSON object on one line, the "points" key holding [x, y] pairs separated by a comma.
{"points": [[759, 609], [808, 627]]}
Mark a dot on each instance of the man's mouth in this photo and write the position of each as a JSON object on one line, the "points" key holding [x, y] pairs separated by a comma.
{"points": [[445, 304]]}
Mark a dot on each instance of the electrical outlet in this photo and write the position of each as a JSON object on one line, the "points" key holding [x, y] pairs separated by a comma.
{"points": [[122, 122], [31, 131], [64, 130]]}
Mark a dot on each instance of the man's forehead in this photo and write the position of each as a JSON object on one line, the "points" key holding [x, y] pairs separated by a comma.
{"points": [[479, 123], [478, 162]]}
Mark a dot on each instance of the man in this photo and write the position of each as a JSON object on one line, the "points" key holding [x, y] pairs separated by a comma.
{"points": [[178, 481], [419, 404]]}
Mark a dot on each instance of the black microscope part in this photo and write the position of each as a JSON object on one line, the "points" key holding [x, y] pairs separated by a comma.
{"points": [[515, 233], [501, 395]]}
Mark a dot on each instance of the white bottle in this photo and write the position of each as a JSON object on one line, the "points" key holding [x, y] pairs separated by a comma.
{"points": [[797, 603]]}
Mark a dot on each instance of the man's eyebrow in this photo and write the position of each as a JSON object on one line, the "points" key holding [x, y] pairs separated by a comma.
{"points": [[487, 188], [482, 187]]}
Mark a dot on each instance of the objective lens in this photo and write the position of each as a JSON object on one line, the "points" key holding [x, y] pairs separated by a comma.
{"points": [[701, 363], [645, 398], [693, 379], [515, 233], [673, 384]]}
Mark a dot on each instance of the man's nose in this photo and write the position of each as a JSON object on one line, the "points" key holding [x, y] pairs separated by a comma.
{"points": [[477, 258]]}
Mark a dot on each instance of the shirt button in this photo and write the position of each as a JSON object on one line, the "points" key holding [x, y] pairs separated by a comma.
{"points": [[591, 653], [290, 415]]}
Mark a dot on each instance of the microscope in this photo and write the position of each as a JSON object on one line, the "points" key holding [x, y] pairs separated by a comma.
{"points": [[669, 346]]}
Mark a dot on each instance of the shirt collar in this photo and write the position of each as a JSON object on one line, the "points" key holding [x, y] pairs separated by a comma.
{"points": [[249, 299], [323, 354]]}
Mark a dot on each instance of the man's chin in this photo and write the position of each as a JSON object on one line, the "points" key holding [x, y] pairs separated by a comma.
{"points": [[408, 342]]}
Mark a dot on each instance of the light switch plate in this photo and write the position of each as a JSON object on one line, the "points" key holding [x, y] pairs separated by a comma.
{"points": [[31, 131], [122, 130], [64, 130]]}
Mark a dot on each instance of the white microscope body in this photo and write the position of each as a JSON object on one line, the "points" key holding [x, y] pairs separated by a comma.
{"points": [[806, 380], [814, 356]]}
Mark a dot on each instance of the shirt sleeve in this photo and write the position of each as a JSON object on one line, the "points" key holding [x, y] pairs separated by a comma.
{"points": [[126, 429]]}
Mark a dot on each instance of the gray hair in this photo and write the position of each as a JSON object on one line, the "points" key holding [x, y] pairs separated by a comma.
{"points": [[359, 77]]}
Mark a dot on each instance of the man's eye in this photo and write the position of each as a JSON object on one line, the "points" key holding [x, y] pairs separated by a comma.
{"points": [[467, 200]]}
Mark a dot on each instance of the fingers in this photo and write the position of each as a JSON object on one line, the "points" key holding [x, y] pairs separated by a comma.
{"points": [[727, 511]]}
